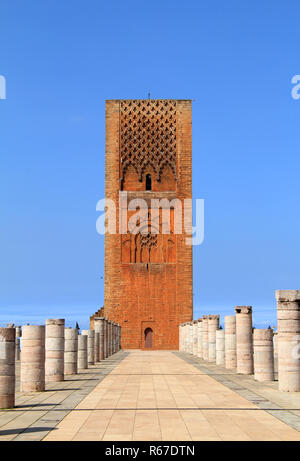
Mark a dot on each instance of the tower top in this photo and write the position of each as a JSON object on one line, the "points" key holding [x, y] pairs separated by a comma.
{"points": [[149, 99]]}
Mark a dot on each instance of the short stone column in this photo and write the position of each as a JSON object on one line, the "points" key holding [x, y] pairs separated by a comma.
{"points": [[101, 321], [288, 327], [263, 355], [108, 338], [244, 341], [7, 367], [105, 338], [205, 337], [97, 339], [90, 342], [191, 338], [220, 347], [184, 337], [116, 336], [96, 345], [187, 337], [18, 350], [275, 343], [120, 337], [195, 337], [230, 341], [82, 352], [71, 351], [55, 346], [199, 338], [113, 336], [33, 359], [180, 337], [213, 325]]}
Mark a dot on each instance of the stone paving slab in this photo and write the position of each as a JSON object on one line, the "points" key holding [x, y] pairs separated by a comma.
{"points": [[161, 395], [284, 406], [35, 414]]}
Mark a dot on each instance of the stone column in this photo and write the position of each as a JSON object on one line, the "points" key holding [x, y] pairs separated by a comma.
{"points": [[187, 337], [275, 343], [91, 349], [113, 336], [117, 334], [199, 338], [71, 351], [205, 337], [230, 341], [105, 339], [33, 359], [191, 337], [186, 329], [244, 341], [180, 337], [82, 352], [96, 346], [213, 325], [195, 337], [263, 355], [18, 350], [220, 347], [55, 346], [183, 337], [288, 317], [108, 338], [101, 321], [7, 367], [97, 328]]}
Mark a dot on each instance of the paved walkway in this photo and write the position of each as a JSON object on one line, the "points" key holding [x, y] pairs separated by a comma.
{"points": [[37, 413], [160, 396]]}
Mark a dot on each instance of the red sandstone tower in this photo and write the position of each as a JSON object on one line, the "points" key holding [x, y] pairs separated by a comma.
{"points": [[148, 276]]}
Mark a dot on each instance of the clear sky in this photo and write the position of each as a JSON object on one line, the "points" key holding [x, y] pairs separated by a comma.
{"points": [[62, 59]]}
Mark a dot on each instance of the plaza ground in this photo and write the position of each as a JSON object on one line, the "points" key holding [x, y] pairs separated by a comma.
{"points": [[154, 395]]}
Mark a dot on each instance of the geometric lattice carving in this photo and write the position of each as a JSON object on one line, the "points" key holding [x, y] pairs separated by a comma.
{"points": [[148, 240], [148, 135]]}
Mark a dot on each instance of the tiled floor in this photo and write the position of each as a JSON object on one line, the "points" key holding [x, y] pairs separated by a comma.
{"points": [[37, 413], [159, 396]]}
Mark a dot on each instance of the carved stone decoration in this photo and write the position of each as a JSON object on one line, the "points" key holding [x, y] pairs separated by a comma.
{"points": [[148, 135], [148, 240], [143, 245]]}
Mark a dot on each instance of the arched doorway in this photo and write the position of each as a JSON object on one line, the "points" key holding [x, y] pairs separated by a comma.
{"points": [[148, 338]]}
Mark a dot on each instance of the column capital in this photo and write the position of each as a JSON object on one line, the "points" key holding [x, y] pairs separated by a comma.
{"points": [[287, 295], [243, 309]]}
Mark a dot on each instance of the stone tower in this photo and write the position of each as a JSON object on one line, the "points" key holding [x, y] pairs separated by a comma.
{"points": [[148, 274]]}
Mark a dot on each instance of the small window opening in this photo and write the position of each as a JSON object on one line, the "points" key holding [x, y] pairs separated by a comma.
{"points": [[148, 182]]}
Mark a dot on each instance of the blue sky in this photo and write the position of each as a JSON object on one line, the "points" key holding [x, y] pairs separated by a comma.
{"points": [[62, 59]]}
